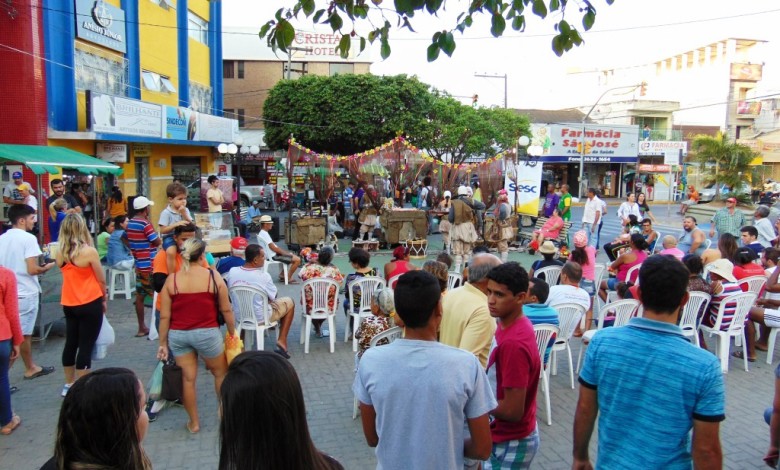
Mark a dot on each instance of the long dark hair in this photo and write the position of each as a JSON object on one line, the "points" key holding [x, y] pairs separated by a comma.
{"points": [[263, 422], [116, 194], [98, 423], [727, 244], [579, 256]]}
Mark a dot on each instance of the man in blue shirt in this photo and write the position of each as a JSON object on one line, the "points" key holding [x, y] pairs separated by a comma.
{"points": [[649, 386], [536, 310], [237, 256], [253, 211]]}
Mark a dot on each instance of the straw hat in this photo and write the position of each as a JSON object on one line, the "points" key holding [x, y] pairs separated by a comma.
{"points": [[547, 248]]}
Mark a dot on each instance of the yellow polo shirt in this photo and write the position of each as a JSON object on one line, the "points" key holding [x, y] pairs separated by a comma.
{"points": [[466, 322]]}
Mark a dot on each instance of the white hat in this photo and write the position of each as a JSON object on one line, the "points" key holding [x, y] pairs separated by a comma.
{"points": [[462, 190], [469, 191], [141, 202], [723, 268], [447, 194]]}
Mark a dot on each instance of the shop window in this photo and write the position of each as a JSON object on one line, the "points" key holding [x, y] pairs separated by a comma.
{"points": [[341, 69], [228, 69], [241, 69], [198, 28]]}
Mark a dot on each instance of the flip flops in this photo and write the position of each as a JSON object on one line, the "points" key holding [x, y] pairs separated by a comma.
{"points": [[281, 351], [741, 355], [10, 427], [45, 370]]}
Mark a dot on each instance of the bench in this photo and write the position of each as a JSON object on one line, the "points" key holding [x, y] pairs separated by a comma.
{"points": [[526, 236]]}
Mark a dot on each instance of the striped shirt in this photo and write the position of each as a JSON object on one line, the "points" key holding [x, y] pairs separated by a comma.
{"points": [[729, 288], [140, 234], [649, 394]]}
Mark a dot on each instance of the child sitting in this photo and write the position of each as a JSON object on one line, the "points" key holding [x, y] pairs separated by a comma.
{"points": [[383, 310]]}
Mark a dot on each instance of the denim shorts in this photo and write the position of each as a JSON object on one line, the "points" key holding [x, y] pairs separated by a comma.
{"points": [[206, 342], [612, 283], [589, 286]]}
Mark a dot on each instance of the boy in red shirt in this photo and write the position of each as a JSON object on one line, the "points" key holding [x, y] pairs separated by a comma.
{"points": [[515, 365]]}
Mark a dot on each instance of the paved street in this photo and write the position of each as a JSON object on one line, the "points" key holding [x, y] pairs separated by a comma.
{"points": [[327, 380]]}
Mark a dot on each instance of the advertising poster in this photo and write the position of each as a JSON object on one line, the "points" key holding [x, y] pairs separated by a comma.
{"points": [[526, 186], [603, 143], [116, 115], [180, 123]]}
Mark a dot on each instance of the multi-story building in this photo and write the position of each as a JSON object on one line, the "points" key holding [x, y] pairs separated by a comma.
{"points": [[250, 69], [138, 83]]}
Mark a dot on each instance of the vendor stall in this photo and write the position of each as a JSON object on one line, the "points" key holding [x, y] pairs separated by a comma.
{"points": [[305, 231], [217, 230], [404, 224]]}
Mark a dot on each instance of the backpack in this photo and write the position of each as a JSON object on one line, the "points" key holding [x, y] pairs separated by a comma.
{"points": [[429, 197]]}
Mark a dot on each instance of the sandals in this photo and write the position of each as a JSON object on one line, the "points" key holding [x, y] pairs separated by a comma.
{"points": [[45, 370], [6, 430], [189, 429], [741, 355]]}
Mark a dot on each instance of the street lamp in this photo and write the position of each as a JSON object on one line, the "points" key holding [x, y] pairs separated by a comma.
{"points": [[237, 153]]}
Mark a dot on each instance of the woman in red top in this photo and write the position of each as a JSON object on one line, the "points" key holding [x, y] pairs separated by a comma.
{"points": [[188, 323], [399, 264], [83, 297], [745, 267], [10, 339]]}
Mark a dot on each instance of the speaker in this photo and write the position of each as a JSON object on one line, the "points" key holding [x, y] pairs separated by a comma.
{"points": [[275, 229]]}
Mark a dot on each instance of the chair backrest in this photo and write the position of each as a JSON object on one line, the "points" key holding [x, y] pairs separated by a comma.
{"points": [[623, 311], [390, 335], [707, 243], [755, 284], [630, 274], [243, 298], [741, 304], [454, 280], [598, 271], [551, 274], [656, 243], [544, 333], [697, 302], [321, 289], [391, 282], [269, 254], [569, 316], [365, 286]]}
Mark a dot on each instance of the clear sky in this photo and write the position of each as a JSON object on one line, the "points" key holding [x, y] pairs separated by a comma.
{"points": [[629, 32]]}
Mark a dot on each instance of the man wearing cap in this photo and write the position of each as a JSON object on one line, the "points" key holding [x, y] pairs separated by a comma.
{"points": [[253, 212], [727, 219], [463, 233], [11, 193], [143, 241], [237, 251], [276, 253], [58, 191]]}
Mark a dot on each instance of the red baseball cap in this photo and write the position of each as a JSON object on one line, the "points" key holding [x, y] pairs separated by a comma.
{"points": [[239, 243], [731, 199]]}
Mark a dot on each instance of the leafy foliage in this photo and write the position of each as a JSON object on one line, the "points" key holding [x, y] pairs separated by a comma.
{"points": [[723, 161], [280, 31]]}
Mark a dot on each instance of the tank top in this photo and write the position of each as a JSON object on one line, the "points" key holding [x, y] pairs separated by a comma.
{"points": [[79, 285], [193, 310], [401, 267], [623, 268]]}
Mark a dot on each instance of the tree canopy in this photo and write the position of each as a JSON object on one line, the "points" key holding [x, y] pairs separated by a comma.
{"points": [[378, 17], [723, 161]]}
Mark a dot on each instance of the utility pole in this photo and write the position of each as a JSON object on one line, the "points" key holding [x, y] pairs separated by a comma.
{"points": [[289, 59], [495, 75]]}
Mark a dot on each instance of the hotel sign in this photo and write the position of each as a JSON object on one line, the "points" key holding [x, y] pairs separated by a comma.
{"points": [[101, 23]]}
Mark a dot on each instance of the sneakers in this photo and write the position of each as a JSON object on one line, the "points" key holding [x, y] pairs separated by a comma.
{"points": [[65, 389]]}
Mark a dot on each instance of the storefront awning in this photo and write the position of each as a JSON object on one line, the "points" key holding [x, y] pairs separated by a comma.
{"points": [[43, 159]]}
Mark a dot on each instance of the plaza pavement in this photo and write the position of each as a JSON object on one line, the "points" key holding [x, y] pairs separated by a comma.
{"points": [[327, 380]]}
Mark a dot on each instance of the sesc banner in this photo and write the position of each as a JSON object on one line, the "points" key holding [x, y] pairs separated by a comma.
{"points": [[526, 186]]}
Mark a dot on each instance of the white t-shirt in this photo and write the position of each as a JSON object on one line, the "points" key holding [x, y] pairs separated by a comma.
{"points": [[243, 276], [15, 247], [566, 294], [32, 201], [591, 207], [10, 190], [266, 241], [771, 295]]}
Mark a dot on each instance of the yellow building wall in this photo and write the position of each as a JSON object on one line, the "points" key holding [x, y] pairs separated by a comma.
{"points": [[200, 8], [159, 49], [199, 63]]}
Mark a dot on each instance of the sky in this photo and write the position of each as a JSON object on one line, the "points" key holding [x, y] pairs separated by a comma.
{"points": [[629, 32]]}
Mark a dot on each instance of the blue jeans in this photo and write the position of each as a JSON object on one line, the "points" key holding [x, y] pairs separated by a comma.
{"points": [[588, 227], [5, 384]]}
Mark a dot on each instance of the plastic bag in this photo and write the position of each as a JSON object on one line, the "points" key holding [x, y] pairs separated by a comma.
{"points": [[233, 347], [155, 383], [105, 339], [153, 333]]}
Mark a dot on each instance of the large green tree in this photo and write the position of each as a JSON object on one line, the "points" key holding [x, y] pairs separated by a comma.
{"points": [[379, 18], [722, 160], [344, 114]]}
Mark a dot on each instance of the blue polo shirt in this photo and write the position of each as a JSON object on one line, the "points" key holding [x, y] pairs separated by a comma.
{"points": [[651, 384]]}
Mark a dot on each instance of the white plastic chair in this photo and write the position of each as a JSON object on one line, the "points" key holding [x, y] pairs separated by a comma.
{"points": [[657, 245], [551, 274], [545, 332], [599, 271], [454, 280], [736, 328], [755, 283], [269, 254], [569, 316], [390, 335], [391, 282], [366, 286], [771, 344], [127, 285], [320, 309], [707, 244], [689, 318], [624, 310], [243, 298], [630, 274]]}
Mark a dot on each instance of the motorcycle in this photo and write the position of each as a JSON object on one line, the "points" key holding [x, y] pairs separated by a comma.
{"points": [[284, 201]]}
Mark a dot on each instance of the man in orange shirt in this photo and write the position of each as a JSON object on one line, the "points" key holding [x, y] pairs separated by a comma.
{"points": [[693, 198]]}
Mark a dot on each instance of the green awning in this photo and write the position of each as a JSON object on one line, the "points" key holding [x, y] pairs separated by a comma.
{"points": [[43, 159]]}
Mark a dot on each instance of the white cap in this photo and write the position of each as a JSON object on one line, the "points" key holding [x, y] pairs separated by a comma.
{"points": [[447, 194], [462, 190], [141, 202]]}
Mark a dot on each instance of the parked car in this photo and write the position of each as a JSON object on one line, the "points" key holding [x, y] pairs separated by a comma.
{"points": [[708, 193]]}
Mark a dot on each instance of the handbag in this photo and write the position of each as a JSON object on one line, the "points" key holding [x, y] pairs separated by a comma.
{"points": [[220, 317], [171, 381]]}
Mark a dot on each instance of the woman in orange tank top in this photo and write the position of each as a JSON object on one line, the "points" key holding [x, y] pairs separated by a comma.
{"points": [[83, 297]]}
